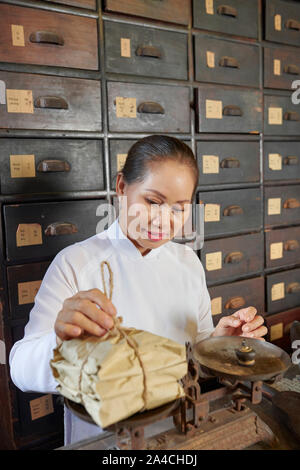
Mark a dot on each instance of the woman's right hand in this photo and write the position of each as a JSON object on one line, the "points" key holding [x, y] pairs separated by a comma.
{"points": [[87, 311]]}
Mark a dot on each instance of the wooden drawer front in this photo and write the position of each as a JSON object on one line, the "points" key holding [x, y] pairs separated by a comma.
{"points": [[224, 109], [225, 258], [173, 11], [283, 22], [282, 247], [41, 230], [34, 165], [282, 117], [23, 284], [238, 17], [229, 298], [145, 51], [281, 160], [283, 290], [231, 211], [118, 150], [279, 326], [281, 67], [50, 103], [219, 61], [227, 162], [150, 108], [31, 36], [88, 4], [282, 205]]}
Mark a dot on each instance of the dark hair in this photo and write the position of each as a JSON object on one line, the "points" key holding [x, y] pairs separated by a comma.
{"points": [[157, 148]]}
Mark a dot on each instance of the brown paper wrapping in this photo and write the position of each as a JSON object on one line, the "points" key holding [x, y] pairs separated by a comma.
{"points": [[121, 373]]}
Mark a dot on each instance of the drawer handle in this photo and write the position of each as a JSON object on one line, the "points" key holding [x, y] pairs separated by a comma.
{"points": [[148, 51], [233, 210], [46, 166], [291, 69], [229, 62], [53, 102], [291, 245], [46, 37], [235, 302], [230, 162], [294, 287], [150, 107], [292, 24], [234, 257], [291, 116], [226, 10], [232, 110], [291, 203], [61, 228], [290, 160]]}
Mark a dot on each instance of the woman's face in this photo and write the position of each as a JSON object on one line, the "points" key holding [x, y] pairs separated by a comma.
{"points": [[152, 212]]}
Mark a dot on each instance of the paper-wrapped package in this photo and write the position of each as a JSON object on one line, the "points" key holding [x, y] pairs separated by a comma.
{"points": [[121, 373]]}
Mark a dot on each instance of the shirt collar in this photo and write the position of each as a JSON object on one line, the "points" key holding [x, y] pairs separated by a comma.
{"points": [[125, 246]]}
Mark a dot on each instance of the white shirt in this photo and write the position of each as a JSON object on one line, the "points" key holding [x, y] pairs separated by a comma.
{"points": [[163, 292]]}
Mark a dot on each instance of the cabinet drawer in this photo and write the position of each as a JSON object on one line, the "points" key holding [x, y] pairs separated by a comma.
{"points": [[88, 4], [173, 11], [282, 247], [283, 290], [227, 162], [239, 17], [140, 50], [226, 258], [279, 326], [281, 161], [231, 211], [281, 67], [227, 109], [283, 22], [222, 61], [228, 298], [41, 230], [282, 205], [23, 284], [31, 36], [49, 103], [35, 165], [282, 117], [150, 108]]}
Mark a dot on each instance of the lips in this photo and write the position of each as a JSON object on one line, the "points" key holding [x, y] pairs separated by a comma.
{"points": [[155, 236]]}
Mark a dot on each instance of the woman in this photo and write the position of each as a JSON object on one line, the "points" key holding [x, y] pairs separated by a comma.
{"points": [[159, 285]]}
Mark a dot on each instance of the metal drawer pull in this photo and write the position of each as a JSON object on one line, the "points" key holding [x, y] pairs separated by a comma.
{"points": [[290, 160], [291, 69], [226, 10], [61, 228], [291, 203], [53, 102], [291, 116], [291, 245], [148, 51], [235, 302], [46, 166], [150, 107], [227, 61], [293, 24], [234, 257], [46, 37], [233, 210], [232, 110], [294, 287], [230, 162]]}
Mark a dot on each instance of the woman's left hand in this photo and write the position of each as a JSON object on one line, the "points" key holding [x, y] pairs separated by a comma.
{"points": [[244, 323]]}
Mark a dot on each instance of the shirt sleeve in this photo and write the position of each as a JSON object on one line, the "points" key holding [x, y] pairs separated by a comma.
{"points": [[29, 358], [205, 321]]}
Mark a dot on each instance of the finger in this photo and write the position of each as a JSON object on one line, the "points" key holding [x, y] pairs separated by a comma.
{"points": [[66, 330], [96, 314], [246, 314], [252, 325], [229, 321], [95, 295], [259, 332], [87, 325]]}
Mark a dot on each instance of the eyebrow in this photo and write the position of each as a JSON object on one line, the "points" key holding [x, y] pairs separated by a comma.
{"points": [[164, 197]]}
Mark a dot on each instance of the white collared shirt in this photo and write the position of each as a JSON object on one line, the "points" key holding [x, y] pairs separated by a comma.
{"points": [[163, 292]]}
